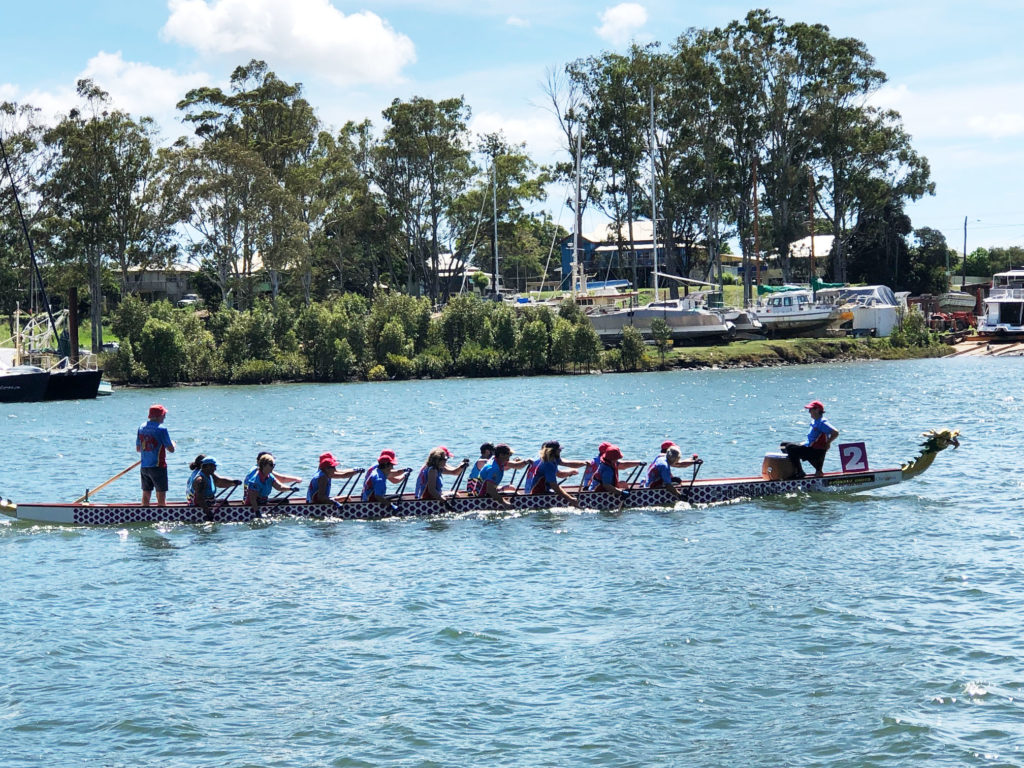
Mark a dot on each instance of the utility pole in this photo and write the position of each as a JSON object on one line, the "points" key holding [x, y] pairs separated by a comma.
{"points": [[654, 207], [810, 220]]}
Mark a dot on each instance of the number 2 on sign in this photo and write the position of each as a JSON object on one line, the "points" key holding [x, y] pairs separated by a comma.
{"points": [[854, 457]]}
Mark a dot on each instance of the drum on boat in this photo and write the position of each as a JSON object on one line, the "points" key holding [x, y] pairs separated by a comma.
{"points": [[776, 466]]}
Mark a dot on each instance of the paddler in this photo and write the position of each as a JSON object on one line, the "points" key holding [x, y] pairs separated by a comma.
{"points": [[319, 490], [494, 471], [814, 448], [204, 482], [545, 472], [473, 483], [153, 442], [279, 476], [261, 481], [375, 487], [531, 473], [606, 478], [659, 473], [428, 483], [591, 468]]}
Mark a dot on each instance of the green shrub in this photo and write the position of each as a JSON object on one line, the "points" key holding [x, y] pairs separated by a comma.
{"points": [[611, 360], [399, 367], [254, 372], [377, 373], [475, 360], [433, 363], [633, 353], [911, 331], [532, 346], [162, 351]]}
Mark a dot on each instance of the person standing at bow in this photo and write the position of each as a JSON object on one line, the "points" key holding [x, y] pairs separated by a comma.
{"points": [[261, 481], [814, 448], [153, 443], [319, 490], [428, 483]]}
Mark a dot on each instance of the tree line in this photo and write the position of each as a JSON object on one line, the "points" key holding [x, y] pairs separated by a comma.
{"points": [[762, 131]]}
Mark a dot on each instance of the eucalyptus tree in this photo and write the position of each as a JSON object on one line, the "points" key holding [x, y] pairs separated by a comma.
{"points": [[615, 88], [508, 184], [27, 158], [267, 117], [105, 195], [422, 165]]}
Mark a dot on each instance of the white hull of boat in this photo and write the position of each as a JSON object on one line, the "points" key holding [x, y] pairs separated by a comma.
{"points": [[685, 323]]}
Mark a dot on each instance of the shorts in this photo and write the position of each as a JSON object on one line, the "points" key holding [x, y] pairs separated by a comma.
{"points": [[154, 478]]}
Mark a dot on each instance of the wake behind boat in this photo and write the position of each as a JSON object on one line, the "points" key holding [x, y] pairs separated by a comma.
{"points": [[773, 481]]}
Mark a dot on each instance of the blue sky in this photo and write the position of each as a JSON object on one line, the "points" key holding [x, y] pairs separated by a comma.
{"points": [[955, 69]]}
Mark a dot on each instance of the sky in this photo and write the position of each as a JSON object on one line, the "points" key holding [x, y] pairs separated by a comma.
{"points": [[954, 70]]}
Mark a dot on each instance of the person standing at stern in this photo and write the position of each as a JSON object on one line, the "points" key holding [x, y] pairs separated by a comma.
{"points": [[814, 448], [153, 443]]}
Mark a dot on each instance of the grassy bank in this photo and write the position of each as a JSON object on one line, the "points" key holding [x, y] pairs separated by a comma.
{"points": [[755, 354]]}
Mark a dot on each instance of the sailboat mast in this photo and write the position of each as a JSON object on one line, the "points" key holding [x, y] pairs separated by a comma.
{"points": [[494, 202], [28, 239], [654, 206], [579, 213]]}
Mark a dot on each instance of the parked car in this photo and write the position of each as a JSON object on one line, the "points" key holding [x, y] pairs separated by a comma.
{"points": [[188, 300]]}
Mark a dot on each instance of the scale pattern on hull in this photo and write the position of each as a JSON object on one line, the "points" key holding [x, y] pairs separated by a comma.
{"points": [[703, 492]]}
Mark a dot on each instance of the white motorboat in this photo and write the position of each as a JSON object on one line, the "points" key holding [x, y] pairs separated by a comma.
{"points": [[1004, 306], [796, 313]]}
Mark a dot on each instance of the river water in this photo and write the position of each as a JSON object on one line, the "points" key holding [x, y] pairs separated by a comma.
{"points": [[872, 629]]}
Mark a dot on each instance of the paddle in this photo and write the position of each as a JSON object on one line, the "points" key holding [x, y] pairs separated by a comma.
{"points": [[697, 464], [103, 485]]}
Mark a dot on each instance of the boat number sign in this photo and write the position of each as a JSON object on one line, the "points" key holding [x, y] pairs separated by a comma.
{"points": [[854, 457]]}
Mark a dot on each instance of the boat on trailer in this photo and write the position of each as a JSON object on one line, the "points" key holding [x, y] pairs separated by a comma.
{"points": [[775, 480]]}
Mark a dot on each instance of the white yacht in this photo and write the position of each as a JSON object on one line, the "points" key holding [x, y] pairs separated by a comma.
{"points": [[795, 313], [1004, 306]]}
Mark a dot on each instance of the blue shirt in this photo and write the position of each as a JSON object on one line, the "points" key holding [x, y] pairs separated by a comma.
{"points": [[376, 484], [492, 471], [820, 432], [546, 471], [589, 470], [659, 474], [254, 482], [605, 474], [153, 440], [421, 482], [205, 489], [314, 485]]}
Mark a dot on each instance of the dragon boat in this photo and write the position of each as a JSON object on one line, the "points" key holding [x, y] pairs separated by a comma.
{"points": [[772, 482]]}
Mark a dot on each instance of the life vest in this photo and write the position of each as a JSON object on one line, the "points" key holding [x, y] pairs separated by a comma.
{"points": [[531, 475], [421, 482], [206, 488], [588, 472]]}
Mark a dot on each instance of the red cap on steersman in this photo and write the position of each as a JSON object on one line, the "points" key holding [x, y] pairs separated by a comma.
{"points": [[815, 404], [156, 411]]}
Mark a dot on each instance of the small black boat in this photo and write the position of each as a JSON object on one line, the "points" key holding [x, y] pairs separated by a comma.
{"points": [[73, 384]]}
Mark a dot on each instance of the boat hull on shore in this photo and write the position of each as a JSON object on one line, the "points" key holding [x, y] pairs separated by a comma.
{"points": [[702, 492]]}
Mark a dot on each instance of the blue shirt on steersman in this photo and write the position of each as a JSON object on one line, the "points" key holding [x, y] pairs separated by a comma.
{"points": [[314, 485], [492, 471], [263, 487], [376, 482], [820, 432], [153, 440], [421, 482], [659, 474]]}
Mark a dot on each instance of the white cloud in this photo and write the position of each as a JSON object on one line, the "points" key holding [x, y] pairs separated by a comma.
{"points": [[540, 132], [135, 88], [958, 112], [620, 23], [313, 34], [516, 21]]}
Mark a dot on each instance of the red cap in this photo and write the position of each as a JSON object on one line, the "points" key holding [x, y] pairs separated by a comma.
{"points": [[612, 454], [666, 445], [156, 411], [328, 460], [815, 404], [603, 447], [446, 451], [386, 455]]}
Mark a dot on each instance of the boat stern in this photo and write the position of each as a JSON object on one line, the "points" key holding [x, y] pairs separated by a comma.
{"points": [[8, 507]]}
